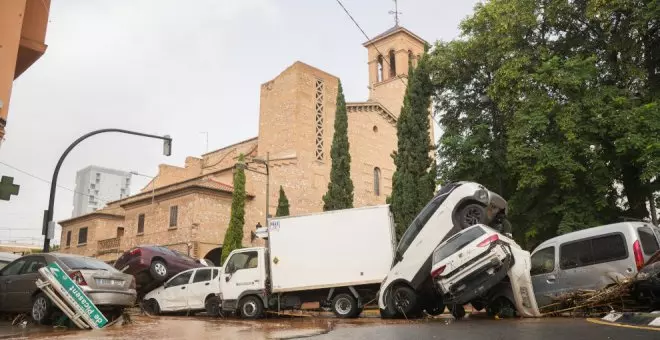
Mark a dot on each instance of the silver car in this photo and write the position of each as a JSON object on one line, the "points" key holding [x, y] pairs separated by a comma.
{"points": [[591, 258], [109, 289]]}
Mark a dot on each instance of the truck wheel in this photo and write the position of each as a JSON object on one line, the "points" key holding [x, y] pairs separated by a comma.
{"points": [[212, 306], [458, 311], [404, 300], [472, 214], [158, 270], [345, 306], [251, 307], [42, 309]]}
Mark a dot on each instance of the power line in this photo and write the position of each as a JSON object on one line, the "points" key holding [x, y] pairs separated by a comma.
{"points": [[48, 182], [377, 50]]}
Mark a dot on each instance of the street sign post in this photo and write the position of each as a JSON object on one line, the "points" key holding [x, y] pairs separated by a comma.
{"points": [[74, 295]]}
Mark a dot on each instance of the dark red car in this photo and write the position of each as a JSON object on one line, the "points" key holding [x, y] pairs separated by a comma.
{"points": [[153, 265]]}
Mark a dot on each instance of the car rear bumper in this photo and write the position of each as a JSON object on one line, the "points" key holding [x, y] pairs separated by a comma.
{"points": [[478, 281], [112, 298]]}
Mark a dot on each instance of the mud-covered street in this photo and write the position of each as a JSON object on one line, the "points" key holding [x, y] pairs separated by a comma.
{"points": [[201, 327]]}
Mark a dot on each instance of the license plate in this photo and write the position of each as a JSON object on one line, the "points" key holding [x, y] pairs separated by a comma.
{"points": [[109, 282]]}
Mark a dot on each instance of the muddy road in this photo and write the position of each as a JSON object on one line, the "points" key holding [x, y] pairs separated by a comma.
{"points": [[200, 327]]}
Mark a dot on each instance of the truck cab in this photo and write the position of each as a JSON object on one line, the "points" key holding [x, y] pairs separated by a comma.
{"points": [[243, 282]]}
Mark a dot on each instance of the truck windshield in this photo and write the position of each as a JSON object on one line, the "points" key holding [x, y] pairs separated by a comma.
{"points": [[420, 221], [456, 243]]}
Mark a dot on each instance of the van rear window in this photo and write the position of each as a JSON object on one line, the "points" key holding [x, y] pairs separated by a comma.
{"points": [[648, 240], [592, 251]]}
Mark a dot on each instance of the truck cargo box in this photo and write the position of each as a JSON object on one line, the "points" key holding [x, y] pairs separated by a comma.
{"points": [[338, 248]]}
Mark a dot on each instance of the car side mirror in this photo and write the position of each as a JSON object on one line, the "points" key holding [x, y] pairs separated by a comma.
{"points": [[227, 278]]}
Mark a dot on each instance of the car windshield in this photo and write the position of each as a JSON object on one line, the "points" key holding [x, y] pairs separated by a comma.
{"points": [[85, 263], [423, 217], [456, 243]]}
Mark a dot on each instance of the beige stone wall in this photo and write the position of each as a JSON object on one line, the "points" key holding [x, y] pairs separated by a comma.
{"points": [[372, 140], [98, 228]]}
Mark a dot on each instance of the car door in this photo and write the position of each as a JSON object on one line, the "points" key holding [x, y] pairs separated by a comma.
{"points": [[175, 292], [25, 283], [8, 275], [201, 286], [243, 271], [544, 274]]}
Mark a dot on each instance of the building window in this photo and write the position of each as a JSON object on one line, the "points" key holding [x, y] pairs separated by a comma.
{"points": [[375, 128], [82, 236], [392, 64], [174, 214], [319, 107], [377, 181], [140, 224], [68, 238], [379, 74], [411, 59]]}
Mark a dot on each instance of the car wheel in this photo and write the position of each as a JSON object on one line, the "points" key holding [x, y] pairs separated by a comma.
{"points": [[404, 300], [478, 306], [436, 309], [212, 306], [457, 311], [501, 307], [345, 306], [42, 309], [158, 270], [251, 307], [152, 307], [472, 214]]}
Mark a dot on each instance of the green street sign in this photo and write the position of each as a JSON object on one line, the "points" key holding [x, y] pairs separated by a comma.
{"points": [[84, 304], [8, 188]]}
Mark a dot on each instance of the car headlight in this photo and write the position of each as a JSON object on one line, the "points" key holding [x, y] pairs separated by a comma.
{"points": [[481, 195]]}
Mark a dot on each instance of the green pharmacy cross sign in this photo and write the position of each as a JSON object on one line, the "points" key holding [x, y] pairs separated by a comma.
{"points": [[8, 188]]}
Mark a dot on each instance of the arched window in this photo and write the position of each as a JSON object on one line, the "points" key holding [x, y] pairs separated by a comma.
{"points": [[392, 65], [380, 69], [411, 58], [377, 181]]}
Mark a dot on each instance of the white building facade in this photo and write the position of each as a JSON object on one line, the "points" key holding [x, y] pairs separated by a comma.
{"points": [[95, 186]]}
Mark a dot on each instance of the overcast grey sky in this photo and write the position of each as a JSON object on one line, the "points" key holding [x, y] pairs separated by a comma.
{"points": [[179, 68]]}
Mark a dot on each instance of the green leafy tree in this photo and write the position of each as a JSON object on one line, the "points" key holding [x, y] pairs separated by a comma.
{"points": [[554, 104], [340, 188], [413, 182], [282, 204], [234, 235]]}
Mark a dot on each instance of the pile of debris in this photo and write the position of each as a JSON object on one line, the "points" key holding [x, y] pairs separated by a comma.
{"points": [[640, 293]]}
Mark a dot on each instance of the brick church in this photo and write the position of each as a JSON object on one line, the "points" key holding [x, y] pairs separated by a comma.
{"points": [[187, 208]]}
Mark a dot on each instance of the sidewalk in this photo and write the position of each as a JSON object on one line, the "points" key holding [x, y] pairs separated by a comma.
{"points": [[631, 319]]}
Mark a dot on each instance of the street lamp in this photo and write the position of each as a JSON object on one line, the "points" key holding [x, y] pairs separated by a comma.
{"points": [[49, 226]]}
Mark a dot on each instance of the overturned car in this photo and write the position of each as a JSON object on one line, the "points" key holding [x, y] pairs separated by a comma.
{"points": [[467, 267]]}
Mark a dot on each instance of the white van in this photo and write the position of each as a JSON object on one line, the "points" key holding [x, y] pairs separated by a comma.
{"points": [[591, 258], [408, 288]]}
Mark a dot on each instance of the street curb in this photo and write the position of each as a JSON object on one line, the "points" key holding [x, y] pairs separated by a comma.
{"points": [[630, 319]]}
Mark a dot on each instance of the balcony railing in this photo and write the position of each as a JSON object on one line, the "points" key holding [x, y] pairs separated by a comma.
{"points": [[108, 245]]}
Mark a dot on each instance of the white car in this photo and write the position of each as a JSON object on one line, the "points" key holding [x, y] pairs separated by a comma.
{"points": [[408, 289], [191, 290], [467, 266]]}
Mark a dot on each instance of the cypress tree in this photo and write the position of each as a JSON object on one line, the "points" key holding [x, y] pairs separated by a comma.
{"points": [[234, 235], [340, 188], [413, 182], [282, 204]]}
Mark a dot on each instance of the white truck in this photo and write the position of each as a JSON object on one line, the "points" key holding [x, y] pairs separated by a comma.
{"points": [[336, 258]]}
